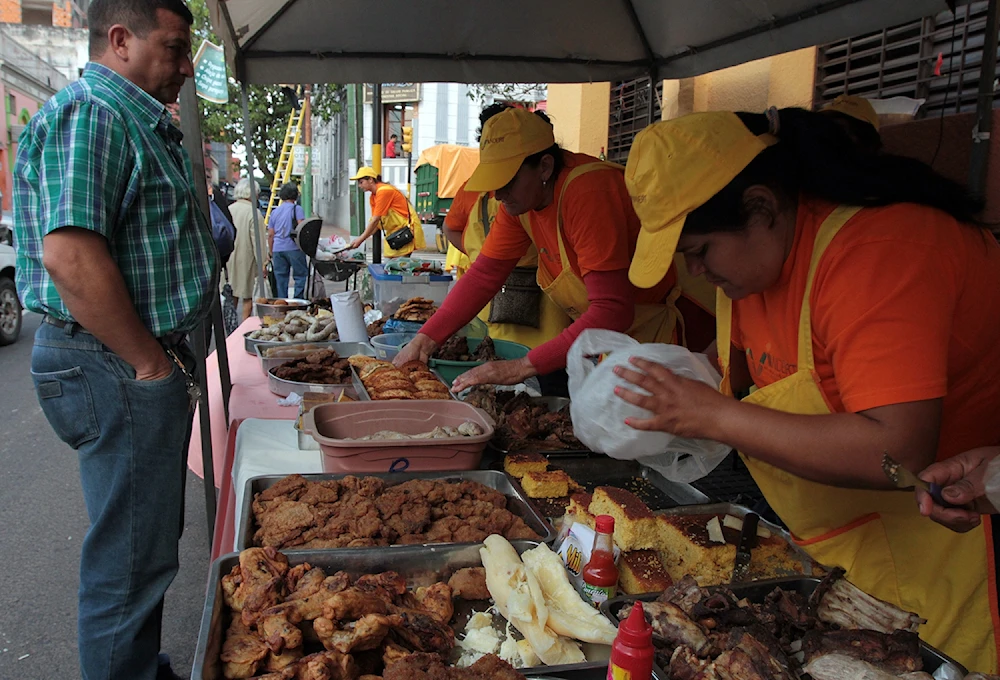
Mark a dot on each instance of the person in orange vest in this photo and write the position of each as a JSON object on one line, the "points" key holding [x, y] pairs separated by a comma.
{"points": [[857, 299], [391, 213]]}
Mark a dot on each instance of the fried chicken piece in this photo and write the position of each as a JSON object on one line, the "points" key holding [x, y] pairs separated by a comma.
{"points": [[469, 584], [328, 665], [281, 523], [391, 653], [309, 603], [276, 663], [388, 581], [292, 486], [261, 596], [231, 593], [366, 633], [432, 667], [242, 651], [351, 604], [261, 582], [277, 625], [424, 633], [436, 600]]}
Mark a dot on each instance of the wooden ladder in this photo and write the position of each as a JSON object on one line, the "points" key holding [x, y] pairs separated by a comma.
{"points": [[283, 173]]}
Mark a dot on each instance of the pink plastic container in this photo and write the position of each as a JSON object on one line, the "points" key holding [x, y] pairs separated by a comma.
{"points": [[329, 424]]}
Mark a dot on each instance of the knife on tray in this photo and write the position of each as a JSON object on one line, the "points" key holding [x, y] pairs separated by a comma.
{"points": [[746, 544]]}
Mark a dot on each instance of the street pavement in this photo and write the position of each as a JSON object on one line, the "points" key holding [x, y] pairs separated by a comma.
{"points": [[42, 523]]}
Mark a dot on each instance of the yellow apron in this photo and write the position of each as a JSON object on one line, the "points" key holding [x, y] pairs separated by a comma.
{"points": [[393, 221], [888, 549], [552, 320], [652, 323]]}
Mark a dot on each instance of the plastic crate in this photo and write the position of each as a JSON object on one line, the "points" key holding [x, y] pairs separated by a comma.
{"points": [[392, 290]]}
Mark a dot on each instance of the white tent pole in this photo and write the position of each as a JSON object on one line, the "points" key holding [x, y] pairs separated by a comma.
{"points": [[255, 238]]}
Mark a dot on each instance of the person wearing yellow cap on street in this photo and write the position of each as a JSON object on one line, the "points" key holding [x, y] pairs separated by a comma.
{"points": [[857, 116], [575, 210], [860, 299], [391, 212]]}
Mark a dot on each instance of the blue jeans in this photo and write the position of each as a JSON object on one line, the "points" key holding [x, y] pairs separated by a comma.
{"points": [[294, 260], [131, 438]]}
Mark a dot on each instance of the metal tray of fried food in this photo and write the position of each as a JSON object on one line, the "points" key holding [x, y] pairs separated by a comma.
{"points": [[271, 357], [517, 502], [758, 590], [741, 512], [420, 565], [368, 397], [281, 387]]}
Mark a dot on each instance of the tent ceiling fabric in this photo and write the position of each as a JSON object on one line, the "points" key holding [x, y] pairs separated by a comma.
{"points": [[548, 41]]}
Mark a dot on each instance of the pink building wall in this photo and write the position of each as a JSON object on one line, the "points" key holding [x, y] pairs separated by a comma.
{"points": [[18, 109]]}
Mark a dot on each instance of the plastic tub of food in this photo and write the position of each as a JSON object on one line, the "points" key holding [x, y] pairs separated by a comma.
{"points": [[278, 307], [339, 427], [392, 290], [387, 345], [449, 370]]}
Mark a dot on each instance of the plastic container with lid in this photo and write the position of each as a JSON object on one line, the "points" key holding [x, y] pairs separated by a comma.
{"points": [[392, 290], [337, 428]]}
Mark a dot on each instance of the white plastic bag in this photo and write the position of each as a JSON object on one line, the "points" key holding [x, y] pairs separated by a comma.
{"points": [[599, 415]]}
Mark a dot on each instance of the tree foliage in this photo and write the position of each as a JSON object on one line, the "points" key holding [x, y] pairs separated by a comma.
{"points": [[269, 107], [487, 93]]}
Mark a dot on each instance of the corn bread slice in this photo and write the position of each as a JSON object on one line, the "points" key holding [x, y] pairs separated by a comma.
{"points": [[519, 464], [640, 571], [635, 524], [545, 484]]}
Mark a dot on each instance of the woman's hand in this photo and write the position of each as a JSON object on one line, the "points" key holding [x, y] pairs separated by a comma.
{"points": [[963, 482], [419, 348], [680, 406], [509, 372]]}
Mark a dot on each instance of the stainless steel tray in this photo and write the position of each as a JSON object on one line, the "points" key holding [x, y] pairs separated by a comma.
{"points": [[741, 512], [354, 389], [262, 309], [517, 502], [343, 349], [250, 344], [421, 565], [758, 590]]}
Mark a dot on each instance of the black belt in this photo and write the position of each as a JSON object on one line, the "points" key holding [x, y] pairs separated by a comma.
{"points": [[173, 339]]}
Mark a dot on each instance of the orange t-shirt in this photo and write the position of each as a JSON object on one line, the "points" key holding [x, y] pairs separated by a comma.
{"points": [[600, 228], [904, 308], [384, 200], [457, 217]]}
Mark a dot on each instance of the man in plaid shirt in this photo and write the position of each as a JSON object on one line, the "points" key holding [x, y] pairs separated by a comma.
{"points": [[114, 250]]}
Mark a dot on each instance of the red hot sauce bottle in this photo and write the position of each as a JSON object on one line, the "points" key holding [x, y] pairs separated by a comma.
{"points": [[600, 576], [632, 651]]}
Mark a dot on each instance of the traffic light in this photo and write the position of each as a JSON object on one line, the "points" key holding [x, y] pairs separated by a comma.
{"points": [[407, 139]]}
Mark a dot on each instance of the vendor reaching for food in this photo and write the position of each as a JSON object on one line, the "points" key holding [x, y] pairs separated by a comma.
{"points": [[392, 213], [859, 298], [576, 211]]}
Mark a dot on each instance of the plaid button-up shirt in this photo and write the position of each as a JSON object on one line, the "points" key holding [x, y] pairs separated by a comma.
{"points": [[103, 155]]}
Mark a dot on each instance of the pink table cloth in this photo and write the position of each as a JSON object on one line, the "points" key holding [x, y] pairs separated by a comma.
{"points": [[250, 398]]}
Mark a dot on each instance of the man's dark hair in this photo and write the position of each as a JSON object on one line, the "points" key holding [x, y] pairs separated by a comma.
{"points": [[393, 137], [138, 16]]}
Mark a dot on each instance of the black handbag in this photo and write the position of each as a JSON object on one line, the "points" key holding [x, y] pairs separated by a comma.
{"points": [[293, 233], [520, 298], [400, 238]]}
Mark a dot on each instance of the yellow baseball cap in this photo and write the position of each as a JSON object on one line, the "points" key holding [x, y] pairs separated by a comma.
{"points": [[507, 139], [674, 167], [365, 171], [858, 108]]}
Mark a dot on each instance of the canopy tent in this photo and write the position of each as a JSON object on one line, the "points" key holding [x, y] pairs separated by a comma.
{"points": [[556, 41]]}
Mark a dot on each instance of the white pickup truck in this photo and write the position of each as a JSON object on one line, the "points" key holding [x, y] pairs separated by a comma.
{"points": [[10, 306]]}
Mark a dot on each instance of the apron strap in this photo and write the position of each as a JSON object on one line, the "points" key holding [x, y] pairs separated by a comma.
{"points": [[724, 306], [831, 227]]}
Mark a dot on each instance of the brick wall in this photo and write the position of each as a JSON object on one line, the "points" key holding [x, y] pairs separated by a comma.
{"points": [[62, 14], [10, 11]]}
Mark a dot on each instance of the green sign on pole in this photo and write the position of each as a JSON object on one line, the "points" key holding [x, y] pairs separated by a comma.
{"points": [[210, 73]]}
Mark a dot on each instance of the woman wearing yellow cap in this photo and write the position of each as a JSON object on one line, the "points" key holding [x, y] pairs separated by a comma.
{"points": [[859, 299], [577, 213], [391, 212]]}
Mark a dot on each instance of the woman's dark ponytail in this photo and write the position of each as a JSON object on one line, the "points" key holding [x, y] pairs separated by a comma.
{"points": [[816, 156]]}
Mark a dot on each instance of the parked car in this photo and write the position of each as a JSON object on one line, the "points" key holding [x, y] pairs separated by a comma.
{"points": [[10, 306]]}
